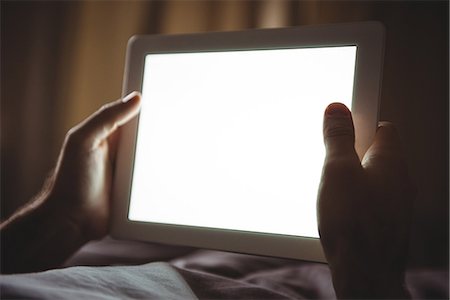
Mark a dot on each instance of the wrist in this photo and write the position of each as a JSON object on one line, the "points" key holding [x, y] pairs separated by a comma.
{"points": [[359, 279], [66, 216], [38, 237], [365, 286]]}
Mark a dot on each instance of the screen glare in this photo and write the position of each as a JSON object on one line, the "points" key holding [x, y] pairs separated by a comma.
{"points": [[233, 140]]}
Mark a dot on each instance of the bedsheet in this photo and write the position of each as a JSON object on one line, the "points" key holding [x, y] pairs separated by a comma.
{"points": [[112, 269]]}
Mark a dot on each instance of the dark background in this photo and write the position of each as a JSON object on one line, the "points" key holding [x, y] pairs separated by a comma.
{"points": [[61, 60]]}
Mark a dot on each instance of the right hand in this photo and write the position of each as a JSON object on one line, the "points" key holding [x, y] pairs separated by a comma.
{"points": [[364, 209]]}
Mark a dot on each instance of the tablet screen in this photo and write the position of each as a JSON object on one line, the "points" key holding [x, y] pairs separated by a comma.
{"points": [[233, 140]]}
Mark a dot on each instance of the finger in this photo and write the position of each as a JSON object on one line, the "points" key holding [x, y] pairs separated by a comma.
{"points": [[386, 144], [107, 119], [341, 168], [338, 132]]}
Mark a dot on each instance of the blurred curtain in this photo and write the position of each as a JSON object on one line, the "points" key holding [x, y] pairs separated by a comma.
{"points": [[61, 60]]}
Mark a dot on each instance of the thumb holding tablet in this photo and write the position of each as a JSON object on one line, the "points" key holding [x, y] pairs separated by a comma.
{"points": [[83, 175], [74, 204], [338, 132], [364, 210], [106, 120]]}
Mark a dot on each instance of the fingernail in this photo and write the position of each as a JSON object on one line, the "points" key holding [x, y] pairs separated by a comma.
{"points": [[379, 125], [130, 96], [337, 110], [385, 124]]}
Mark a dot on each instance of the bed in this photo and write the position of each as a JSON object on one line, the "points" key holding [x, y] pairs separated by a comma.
{"points": [[112, 269]]}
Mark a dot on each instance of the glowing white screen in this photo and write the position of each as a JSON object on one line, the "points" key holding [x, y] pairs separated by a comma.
{"points": [[233, 140]]}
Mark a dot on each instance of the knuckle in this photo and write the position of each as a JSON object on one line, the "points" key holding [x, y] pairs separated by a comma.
{"points": [[72, 137], [75, 139], [102, 110], [106, 112], [105, 108], [72, 131], [73, 134]]}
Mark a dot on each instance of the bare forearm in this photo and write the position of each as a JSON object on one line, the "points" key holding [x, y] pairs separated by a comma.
{"points": [[37, 238]]}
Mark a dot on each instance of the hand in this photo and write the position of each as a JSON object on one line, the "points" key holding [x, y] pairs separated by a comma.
{"points": [[364, 210], [74, 205], [83, 177]]}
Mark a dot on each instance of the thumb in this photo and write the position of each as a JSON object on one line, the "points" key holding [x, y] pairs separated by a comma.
{"points": [[99, 126], [338, 132], [340, 171]]}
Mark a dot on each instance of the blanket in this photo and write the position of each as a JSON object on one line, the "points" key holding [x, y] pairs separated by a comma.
{"points": [[112, 269]]}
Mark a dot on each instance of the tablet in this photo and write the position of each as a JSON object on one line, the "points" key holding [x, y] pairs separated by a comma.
{"points": [[227, 151]]}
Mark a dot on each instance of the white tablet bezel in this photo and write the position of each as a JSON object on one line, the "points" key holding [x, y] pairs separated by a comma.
{"points": [[369, 39]]}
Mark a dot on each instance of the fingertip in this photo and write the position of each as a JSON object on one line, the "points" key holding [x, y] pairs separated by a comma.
{"points": [[386, 144], [387, 133], [111, 116], [131, 106], [386, 124], [388, 129], [134, 96], [338, 131], [337, 109]]}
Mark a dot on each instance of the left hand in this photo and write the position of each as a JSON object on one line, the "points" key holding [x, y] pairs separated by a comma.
{"points": [[81, 187]]}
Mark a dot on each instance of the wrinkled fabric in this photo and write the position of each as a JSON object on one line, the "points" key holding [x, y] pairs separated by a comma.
{"points": [[150, 281], [191, 274], [217, 275]]}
